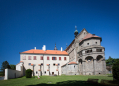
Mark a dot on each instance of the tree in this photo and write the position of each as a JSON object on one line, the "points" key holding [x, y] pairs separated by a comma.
{"points": [[116, 70], [5, 65], [13, 67], [110, 61]]}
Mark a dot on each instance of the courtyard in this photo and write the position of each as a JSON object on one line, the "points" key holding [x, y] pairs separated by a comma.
{"points": [[57, 80]]}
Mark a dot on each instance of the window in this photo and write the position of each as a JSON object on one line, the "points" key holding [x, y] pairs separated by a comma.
{"points": [[41, 63], [29, 57], [58, 64], [47, 58], [34, 57], [64, 58], [88, 51], [29, 63], [54, 64], [95, 42], [99, 50], [24, 57], [59, 58], [87, 43], [80, 53], [54, 58], [41, 58], [45, 72]]}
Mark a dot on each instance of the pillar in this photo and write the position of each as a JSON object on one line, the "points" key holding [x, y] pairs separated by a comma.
{"points": [[94, 66], [83, 70]]}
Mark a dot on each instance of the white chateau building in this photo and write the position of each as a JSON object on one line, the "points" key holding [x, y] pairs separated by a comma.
{"points": [[44, 62]]}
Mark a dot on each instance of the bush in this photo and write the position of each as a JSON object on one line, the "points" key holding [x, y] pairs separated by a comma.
{"points": [[1, 74], [28, 73], [115, 69]]}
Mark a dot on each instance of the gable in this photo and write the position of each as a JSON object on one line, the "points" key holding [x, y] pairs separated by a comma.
{"points": [[82, 34]]}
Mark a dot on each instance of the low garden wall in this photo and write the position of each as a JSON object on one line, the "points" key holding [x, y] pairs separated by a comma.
{"points": [[10, 74]]}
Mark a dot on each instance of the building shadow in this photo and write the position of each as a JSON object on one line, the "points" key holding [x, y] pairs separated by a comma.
{"points": [[70, 83]]}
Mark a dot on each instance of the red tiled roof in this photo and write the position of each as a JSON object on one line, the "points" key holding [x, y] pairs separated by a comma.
{"points": [[88, 36], [72, 63], [39, 64], [21, 61], [47, 64], [56, 64], [32, 64], [37, 51]]}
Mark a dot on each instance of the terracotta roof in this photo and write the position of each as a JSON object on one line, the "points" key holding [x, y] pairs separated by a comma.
{"points": [[56, 64], [21, 61], [88, 36], [72, 63], [47, 64], [37, 51], [39, 64], [32, 64]]}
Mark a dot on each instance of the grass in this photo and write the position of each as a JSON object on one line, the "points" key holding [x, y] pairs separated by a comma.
{"points": [[70, 80]]}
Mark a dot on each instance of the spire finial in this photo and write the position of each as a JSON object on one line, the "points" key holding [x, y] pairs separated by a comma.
{"points": [[55, 47], [75, 27], [66, 45]]}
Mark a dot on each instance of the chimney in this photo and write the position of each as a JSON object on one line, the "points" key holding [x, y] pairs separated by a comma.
{"points": [[35, 48], [44, 48], [61, 49]]}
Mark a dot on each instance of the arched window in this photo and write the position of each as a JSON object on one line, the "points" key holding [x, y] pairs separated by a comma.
{"points": [[80, 61], [99, 58], [89, 59]]}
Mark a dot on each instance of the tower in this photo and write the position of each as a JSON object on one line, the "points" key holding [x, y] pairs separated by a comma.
{"points": [[76, 31], [55, 47]]}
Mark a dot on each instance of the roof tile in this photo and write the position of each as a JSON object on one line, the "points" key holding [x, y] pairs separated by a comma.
{"points": [[37, 51]]}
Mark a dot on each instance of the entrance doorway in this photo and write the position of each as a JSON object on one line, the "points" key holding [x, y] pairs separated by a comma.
{"points": [[52, 73]]}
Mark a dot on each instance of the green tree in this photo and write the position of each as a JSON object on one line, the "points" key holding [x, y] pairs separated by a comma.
{"points": [[115, 69], [5, 65], [13, 67], [110, 61]]}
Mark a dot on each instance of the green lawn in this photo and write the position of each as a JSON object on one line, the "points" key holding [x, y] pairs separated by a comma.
{"points": [[53, 80]]}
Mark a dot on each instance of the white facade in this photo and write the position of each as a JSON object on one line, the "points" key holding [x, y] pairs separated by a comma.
{"points": [[44, 67]]}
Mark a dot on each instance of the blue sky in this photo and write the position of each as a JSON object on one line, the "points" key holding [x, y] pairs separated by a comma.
{"points": [[25, 24]]}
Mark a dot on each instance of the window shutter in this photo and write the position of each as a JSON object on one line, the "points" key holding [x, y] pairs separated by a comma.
{"points": [[64, 58], [59, 58], [47, 58], [52, 58], [55, 58]]}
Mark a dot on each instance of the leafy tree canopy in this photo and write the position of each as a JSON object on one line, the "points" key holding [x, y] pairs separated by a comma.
{"points": [[5, 65], [13, 67], [110, 61]]}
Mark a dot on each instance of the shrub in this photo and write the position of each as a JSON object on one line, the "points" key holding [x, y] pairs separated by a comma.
{"points": [[115, 69], [28, 73]]}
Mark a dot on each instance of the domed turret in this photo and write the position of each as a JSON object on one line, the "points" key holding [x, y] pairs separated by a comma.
{"points": [[76, 31]]}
